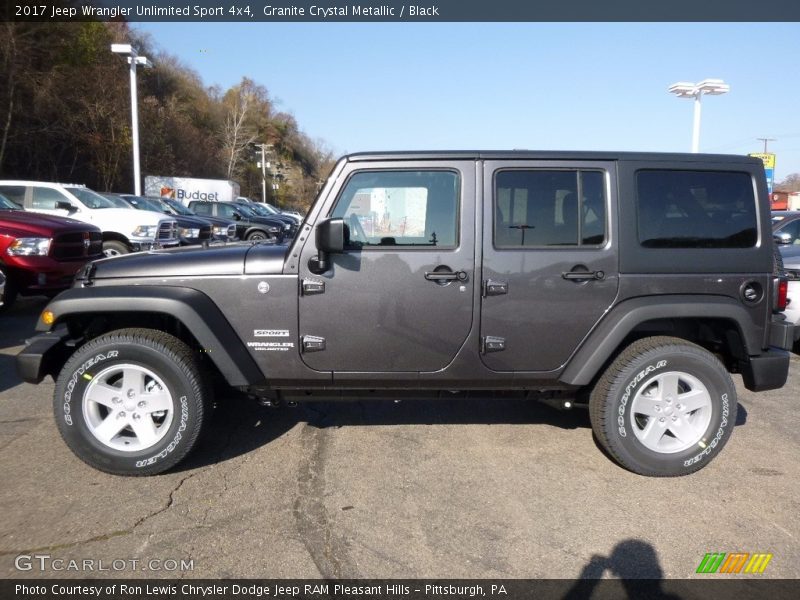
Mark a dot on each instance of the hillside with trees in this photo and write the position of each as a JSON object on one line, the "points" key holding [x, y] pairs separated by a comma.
{"points": [[790, 184], [65, 116]]}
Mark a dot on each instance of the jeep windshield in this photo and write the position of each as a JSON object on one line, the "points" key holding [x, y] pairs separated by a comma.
{"points": [[89, 198]]}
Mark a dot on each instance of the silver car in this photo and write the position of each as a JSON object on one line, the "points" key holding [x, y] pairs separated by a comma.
{"points": [[791, 263]]}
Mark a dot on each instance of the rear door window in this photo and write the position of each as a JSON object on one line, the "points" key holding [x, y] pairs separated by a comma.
{"points": [[541, 207]]}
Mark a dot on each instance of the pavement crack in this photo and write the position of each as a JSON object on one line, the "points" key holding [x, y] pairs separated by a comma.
{"points": [[108, 535], [167, 505], [328, 551]]}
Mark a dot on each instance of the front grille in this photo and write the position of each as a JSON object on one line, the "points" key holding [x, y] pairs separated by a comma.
{"points": [[80, 245], [205, 233], [167, 231]]}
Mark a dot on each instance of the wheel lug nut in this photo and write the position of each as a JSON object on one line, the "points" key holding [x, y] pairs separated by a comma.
{"points": [[679, 407], [121, 414], [142, 404], [661, 420], [116, 400], [136, 416], [674, 418]]}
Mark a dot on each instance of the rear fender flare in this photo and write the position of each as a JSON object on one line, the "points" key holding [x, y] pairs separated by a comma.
{"points": [[601, 343]]}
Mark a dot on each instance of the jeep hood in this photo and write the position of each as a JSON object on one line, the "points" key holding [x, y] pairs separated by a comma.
{"points": [[243, 258]]}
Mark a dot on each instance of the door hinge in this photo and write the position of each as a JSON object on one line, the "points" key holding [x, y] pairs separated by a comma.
{"points": [[491, 343], [312, 343], [312, 286], [492, 287]]}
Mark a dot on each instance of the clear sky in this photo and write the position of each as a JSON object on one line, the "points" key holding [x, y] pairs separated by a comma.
{"points": [[585, 86]]}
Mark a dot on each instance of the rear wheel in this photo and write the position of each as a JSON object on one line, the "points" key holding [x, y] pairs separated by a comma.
{"points": [[665, 407], [114, 248], [131, 402]]}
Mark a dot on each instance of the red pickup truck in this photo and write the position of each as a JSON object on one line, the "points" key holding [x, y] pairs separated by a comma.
{"points": [[40, 254]]}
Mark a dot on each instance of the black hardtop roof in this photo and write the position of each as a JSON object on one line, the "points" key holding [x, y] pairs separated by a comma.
{"points": [[550, 155]]}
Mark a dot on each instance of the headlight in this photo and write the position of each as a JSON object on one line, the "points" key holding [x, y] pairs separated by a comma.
{"points": [[287, 227], [29, 247], [188, 232], [220, 230], [273, 229], [146, 231]]}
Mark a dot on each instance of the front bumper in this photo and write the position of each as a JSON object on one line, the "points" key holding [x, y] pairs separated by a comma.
{"points": [[149, 244], [42, 274], [43, 355]]}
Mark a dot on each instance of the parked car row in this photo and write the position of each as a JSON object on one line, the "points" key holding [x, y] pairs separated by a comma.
{"points": [[40, 254], [786, 234], [48, 231]]}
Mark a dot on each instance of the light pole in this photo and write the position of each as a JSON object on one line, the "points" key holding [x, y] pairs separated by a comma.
{"points": [[264, 148], [683, 89], [134, 60]]}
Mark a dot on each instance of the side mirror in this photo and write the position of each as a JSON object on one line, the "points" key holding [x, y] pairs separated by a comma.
{"points": [[330, 240], [64, 205], [782, 238], [237, 216]]}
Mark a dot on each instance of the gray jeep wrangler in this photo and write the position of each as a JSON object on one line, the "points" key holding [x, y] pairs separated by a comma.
{"points": [[634, 283]]}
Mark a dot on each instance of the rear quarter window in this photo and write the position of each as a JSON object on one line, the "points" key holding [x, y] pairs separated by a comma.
{"points": [[695, 209]]}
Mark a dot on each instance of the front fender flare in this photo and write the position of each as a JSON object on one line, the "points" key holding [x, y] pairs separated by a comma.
{"points": [[195, 310]]}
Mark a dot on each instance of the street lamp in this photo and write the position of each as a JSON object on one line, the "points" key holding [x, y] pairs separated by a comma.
{"points": [[712, 87], [134, 61]]}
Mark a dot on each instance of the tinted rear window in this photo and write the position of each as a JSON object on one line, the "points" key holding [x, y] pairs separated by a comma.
{"points": [[696, 209]]}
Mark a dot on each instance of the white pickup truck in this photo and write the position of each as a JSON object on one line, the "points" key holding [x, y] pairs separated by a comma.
{"points": [[124, 229]]}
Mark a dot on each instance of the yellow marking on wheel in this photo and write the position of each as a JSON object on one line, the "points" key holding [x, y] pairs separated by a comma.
{"points": [[87, 377]]}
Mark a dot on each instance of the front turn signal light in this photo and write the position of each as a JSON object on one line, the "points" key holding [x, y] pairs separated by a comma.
{"points": [[48, 318]]}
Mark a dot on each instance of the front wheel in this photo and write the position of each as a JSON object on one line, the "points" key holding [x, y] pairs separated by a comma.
{"points": [[114, 248], [131, 402], [257, 236], [665, 407]]}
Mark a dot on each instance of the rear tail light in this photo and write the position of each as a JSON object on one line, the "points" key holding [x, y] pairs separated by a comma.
{"points": [[781, 291]]}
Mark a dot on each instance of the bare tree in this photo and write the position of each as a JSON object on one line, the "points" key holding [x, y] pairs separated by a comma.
{"points": [[238, 132]]}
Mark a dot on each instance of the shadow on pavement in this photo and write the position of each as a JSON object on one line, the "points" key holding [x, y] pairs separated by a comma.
{"points": [[634, 562], [240, 425], [19, 322], [16, 326]]}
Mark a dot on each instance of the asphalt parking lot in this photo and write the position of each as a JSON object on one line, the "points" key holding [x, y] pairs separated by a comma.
{"points": [[500, 489]]}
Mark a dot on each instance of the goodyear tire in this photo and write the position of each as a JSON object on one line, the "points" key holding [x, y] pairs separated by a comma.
{"points": [[665, 407], [131, 402]]}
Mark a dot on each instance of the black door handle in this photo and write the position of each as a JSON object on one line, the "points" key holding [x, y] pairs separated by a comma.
{"points": [[583, 275], [446, 275]]}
